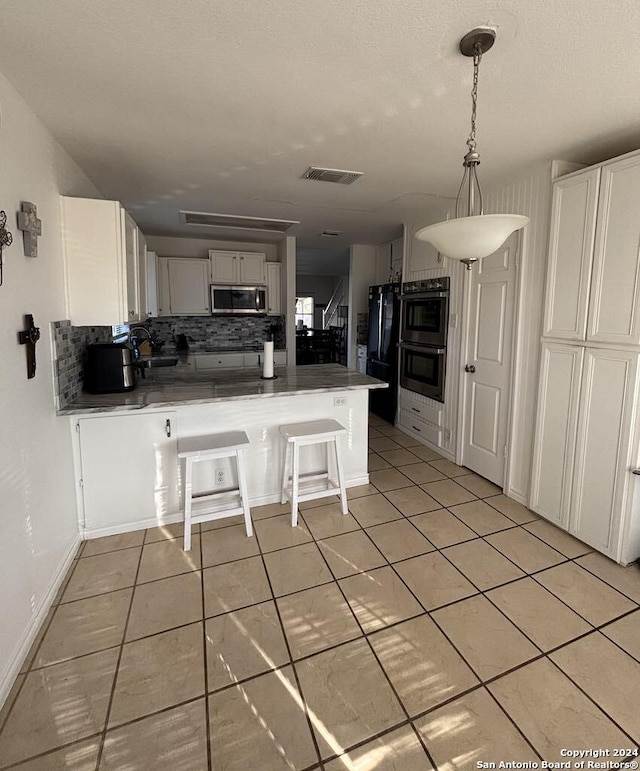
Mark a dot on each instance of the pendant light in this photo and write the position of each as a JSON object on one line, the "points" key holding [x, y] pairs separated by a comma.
{"points": [[472, 235]]}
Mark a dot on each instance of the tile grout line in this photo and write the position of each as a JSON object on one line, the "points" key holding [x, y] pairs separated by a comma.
{"points": [[117, 667], [207, 715]]}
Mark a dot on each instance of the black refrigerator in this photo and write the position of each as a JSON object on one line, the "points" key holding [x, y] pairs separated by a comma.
{"points": [[382, 353]]}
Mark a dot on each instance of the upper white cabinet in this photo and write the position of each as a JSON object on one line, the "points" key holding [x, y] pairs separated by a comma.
{"points": [[573, 223], [274, 291], [614, 315], [237, 267], [183, 286], [593, 277], [143, 282], [421, 255], [100, 245]]}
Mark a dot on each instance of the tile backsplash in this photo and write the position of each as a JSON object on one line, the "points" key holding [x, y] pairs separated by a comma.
{"points": [[70, 344], [231, 333]]}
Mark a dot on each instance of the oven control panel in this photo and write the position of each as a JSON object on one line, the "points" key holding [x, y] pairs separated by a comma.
{"points": [[427, 285]]}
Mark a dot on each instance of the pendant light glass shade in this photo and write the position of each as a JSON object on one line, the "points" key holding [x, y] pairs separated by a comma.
{"points": [[472, 235], [472, 238]]}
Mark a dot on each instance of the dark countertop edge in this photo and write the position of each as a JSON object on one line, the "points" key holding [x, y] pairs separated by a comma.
{"points": [[75, 411]]}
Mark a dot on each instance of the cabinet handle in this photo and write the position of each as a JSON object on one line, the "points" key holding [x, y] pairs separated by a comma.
{"points": [[167, 427], [415, 428], [131, 313], [636, 471], [415, 409]]}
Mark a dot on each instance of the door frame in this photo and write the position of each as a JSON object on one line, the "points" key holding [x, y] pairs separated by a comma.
{"points": [[463, 358]]}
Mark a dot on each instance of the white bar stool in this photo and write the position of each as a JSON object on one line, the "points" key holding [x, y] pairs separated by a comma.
{"points": [[299, 435], [206, 448]]}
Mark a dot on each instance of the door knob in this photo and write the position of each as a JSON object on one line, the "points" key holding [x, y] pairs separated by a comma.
{"points": [[470, 368]]}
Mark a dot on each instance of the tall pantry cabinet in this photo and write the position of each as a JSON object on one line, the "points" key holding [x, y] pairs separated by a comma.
{"points": [[586, 443]]}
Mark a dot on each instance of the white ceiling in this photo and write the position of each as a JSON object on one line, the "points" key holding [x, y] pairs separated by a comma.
{"points": [[220, 105]]}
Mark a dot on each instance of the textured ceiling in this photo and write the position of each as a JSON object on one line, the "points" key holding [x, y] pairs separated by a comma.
{"points": [[220, 105]]}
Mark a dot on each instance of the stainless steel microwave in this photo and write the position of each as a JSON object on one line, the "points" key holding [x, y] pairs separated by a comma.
{"points": [[238, 300]]}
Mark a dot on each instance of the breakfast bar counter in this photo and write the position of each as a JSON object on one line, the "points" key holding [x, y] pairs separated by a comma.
{"points": [[126, 444], [177, 386]]}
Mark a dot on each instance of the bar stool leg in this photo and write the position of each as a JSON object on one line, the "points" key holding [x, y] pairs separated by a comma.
{"points": [[187, 503], [295, 484], [242, 484], [285, 473], [343, 490]]}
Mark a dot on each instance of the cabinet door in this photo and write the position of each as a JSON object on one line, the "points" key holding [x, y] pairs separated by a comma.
{"points": [[573, 222], [603, 447], [421, 255], [224, 267], [555, 432], [614, 315], [397, 249], [188, 287], [152, 283], [274, 274], [143, 284], [251, 269], [129, 468], [162, 276], [219, 360], [130, 233]]}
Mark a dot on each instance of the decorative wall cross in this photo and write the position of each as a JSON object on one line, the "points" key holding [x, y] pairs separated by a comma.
{"points": [[28, 222], [29, 337], [6, 239]]}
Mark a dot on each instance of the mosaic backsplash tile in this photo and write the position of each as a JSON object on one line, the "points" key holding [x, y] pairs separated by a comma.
{"points": [[231, 333], [70, 344]]}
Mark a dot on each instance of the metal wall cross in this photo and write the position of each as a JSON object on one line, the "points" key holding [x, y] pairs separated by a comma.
{"points": [[28, 222]]}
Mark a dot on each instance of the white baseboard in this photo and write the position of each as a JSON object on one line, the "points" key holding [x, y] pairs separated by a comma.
{"points": [[178, 516], [14, 664], [517, 496]]}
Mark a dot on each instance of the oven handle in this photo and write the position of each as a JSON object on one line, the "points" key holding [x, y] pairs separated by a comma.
{"points": [[422, 348], [423, 295]]}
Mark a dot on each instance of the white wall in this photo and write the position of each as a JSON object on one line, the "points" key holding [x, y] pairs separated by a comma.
{"points": [[167, 246], [362, 274], [38, 521]]}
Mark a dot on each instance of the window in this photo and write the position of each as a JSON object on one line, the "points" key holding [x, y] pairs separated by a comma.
{"points": [[304, 312]]}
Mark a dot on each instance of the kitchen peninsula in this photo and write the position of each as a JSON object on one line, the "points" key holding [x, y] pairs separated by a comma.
{"points": [[125, 444]]}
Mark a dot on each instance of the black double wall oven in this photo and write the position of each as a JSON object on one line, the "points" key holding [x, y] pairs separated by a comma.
{"points": [[423, 350]]}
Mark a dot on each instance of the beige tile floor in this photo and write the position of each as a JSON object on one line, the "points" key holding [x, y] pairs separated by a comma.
{"points": [[439, 624]]}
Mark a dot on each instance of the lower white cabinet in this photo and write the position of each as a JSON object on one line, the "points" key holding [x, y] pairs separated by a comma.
{"points": [[183, 286], [206, 361], [586, 445], [129, 470]]}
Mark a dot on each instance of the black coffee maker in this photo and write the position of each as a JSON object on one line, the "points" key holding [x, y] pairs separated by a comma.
{"points": [[108, 368]]}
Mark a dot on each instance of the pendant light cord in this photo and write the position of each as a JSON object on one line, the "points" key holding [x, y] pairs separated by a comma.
{"points": [[477, 56]]}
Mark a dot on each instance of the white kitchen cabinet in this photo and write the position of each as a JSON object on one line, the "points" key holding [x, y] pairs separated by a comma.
{"points": [[129, 470], [219, 360], [556, 421], [421, 255], [143, 281], [152, 283], [602, 482], [572, 234], [397, 250], [615, 286], [241, 268], [183, 287], [100, 246], [274, 291]]}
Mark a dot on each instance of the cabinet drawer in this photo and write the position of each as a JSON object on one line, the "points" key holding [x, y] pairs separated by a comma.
{"points": [[219, 360], [420, 410], [252, 359], [426, 431]]}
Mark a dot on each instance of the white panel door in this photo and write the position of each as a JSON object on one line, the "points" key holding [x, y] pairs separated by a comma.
{"points": [[129, 469], [188, 287], [489, 351], [603, 447], [572, 233], [251, 268], [614, 310], [555, 433], [224, 267]]}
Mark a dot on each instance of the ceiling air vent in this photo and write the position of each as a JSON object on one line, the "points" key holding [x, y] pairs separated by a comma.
{"points": [[340, 176], [236, 222], [331, 233]]}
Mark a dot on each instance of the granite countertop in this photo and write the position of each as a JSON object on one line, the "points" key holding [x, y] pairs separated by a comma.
{"points": [[177, 386]]}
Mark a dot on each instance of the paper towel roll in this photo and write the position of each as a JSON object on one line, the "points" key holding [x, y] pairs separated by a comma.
{"points": [[267, 365]]}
